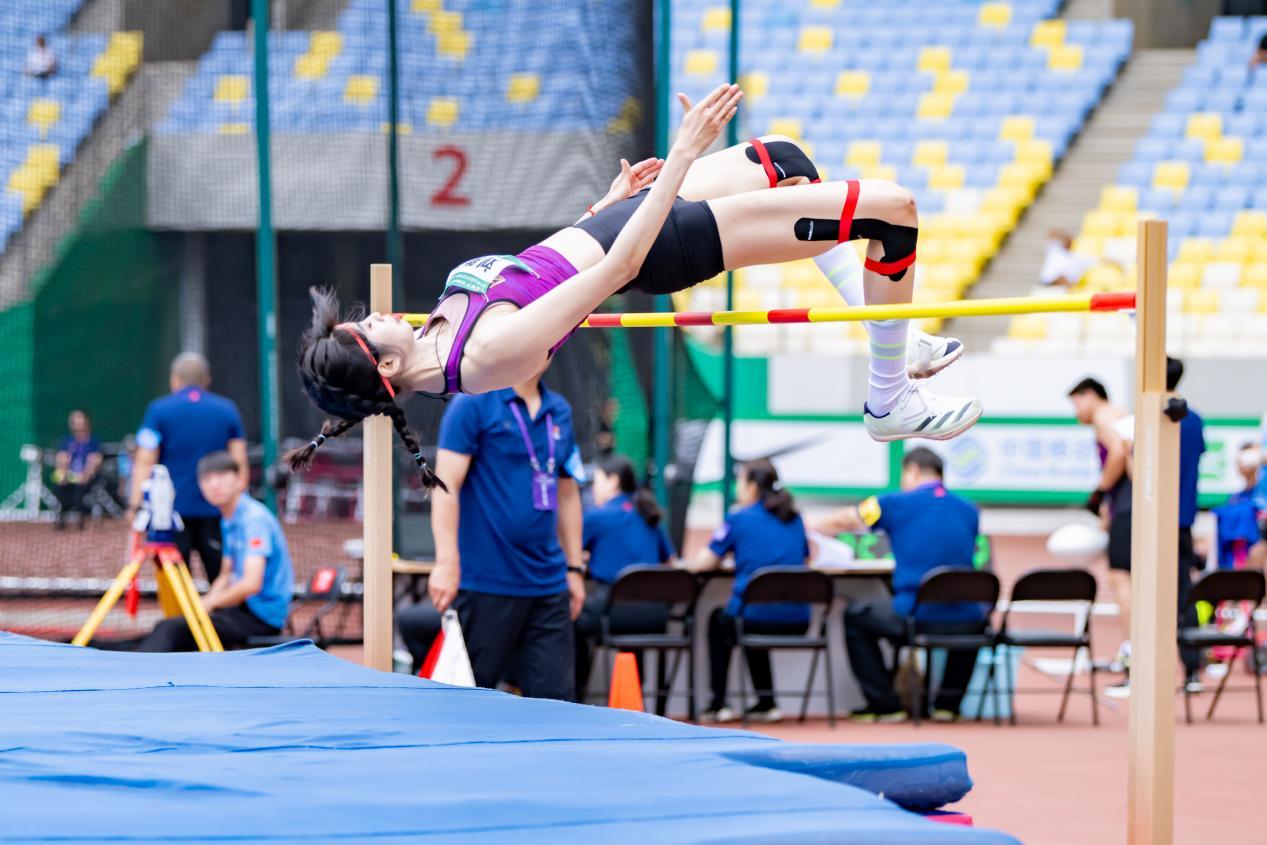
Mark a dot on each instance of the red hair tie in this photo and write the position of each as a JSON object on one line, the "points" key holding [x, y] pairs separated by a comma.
{"points": [[351, 329]]}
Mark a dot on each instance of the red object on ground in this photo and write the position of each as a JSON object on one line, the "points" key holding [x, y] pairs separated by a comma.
{"points": [[626, 689], [947, 817]]}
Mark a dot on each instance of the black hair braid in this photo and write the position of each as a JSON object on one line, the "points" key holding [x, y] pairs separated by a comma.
{"points": [[425, 474], [300, 459]]}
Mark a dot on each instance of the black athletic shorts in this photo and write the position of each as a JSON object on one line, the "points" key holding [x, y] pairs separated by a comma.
{"points": [[1120, 541], [686, 252]]}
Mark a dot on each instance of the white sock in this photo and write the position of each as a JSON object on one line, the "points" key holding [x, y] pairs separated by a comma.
{"points": [[842, 268], [886, 378]]}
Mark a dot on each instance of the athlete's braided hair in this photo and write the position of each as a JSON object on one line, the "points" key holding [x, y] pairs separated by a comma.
{"points": [[342, 380]]}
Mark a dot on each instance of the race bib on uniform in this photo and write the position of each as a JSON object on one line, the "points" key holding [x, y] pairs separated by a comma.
{"points": [[480, 274]]}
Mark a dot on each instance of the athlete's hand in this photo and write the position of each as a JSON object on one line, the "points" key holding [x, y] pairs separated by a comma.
{"points": [[704, 121], [631, 180], [576, 594], [442, 584]]}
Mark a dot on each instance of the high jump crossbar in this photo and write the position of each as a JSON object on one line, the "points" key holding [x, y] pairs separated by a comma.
{"points": [[1096, 302], [1155, 504]]}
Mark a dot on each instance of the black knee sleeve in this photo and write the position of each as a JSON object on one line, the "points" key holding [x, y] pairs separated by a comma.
{"points": [[781, 160], [898, 241]]}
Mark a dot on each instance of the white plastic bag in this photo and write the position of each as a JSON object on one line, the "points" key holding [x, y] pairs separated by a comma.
{"points": [[452, 664]]}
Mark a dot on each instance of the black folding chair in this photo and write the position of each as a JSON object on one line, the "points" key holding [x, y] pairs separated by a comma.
{"points": [[951, 585], [1062, 585], [1237, 585], [786, 585], [677, 589], [325, 586]]}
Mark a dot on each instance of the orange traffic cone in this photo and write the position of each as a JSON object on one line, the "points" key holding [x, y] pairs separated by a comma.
{"points": [[626, 689]]}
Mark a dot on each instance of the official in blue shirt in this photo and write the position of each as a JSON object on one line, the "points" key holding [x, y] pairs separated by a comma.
{"points": [[928, 527], [252, 595], [1191, 448], [765, 531], [622, 530], [508, 535], [177, 432], [77, 461]]}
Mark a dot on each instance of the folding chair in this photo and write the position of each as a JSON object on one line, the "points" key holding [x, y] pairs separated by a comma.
{"points": [[785, 585], [326, 586], [678, 590], [1235, 585], [1056, 585], [950, 585]]}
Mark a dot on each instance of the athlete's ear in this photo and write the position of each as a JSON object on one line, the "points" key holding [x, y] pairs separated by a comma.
{"points": [[390, 364]]}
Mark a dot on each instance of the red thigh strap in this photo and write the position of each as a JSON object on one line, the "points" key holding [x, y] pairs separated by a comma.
{"points": [[764, 155], [846, 214]]}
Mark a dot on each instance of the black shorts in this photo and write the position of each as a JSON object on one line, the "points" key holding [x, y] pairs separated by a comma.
{"points": [[686, 252], [1120, 541]]}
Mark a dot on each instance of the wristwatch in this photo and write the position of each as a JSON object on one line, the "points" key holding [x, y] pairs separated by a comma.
{"points": [[579, 570]]}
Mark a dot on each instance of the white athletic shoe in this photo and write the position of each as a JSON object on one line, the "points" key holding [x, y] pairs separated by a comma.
{"points": [[720, 716], [923, 414], [927, 354]]}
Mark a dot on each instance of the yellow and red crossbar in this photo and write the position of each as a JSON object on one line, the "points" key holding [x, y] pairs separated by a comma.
{"points": [[1097, 302]]}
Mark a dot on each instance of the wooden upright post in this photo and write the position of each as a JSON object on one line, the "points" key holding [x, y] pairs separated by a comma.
{"points": [[377, 507], [1154, 560]]}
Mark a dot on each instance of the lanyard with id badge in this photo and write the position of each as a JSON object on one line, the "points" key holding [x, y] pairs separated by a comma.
{"points": [[545, 485]]}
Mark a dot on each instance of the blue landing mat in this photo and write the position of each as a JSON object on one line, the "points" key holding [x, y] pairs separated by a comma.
{"points": [[289, 744]]}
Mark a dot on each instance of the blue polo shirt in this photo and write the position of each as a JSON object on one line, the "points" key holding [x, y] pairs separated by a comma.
{"points": [[1191, 447], [757, 539], [79, 451], [253, 531], [185, 426], [507, 546], [928, 527], [616, 536]]}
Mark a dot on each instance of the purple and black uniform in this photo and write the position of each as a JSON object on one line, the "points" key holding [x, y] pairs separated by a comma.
{"points": [[1119, 502]]}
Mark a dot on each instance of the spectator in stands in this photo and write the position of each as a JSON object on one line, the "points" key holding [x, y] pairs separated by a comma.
{"points": [[1111, 499], [1260, 55], [41, 61], [178, 431], [928, 527], [622, 530], [765, 530], [508, 535], [76, 464], [251, 596], [1062, 267]]}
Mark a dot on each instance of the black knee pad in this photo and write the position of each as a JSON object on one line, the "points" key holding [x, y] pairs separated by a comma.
{"points": [[781, 160], [898, 241]]}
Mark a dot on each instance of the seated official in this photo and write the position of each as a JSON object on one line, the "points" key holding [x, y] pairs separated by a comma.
{"points": [[765, 531], [928, 527], [251, 596], [623, 530]]}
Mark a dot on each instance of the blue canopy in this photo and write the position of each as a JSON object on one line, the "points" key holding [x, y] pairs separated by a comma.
{"points": [[290, 743]]}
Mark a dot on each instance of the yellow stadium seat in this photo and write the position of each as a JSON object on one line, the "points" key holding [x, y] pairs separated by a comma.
{"points": [[1200, 301], [1023, 177], [444, 21], [1250, 224], [932, 250], [1255, 276], [814, 39], [360, 89], [1204, 125], [402, 128], [934, 59], [1259, 251], [453, 44], [755, 84], [1184, 275], [930, 153], [994, 14], [1065, 57], [824, 4], [44, 156], [789, 126], [935, 106], [1224, 150], [328, 44], [1104, 277], [852, 83], [1103, 224], [442, 111], [523, 87], [126, 44], [716, 19], [29, 185], [863, 153], [1016, 127], [1050, 33], [1088, 245], [1004, 199], [1236, 250], [952, 82], [1028, 327], [1196, 250], [945, 177], [426, 5], [702, 62], [879, 171], [43, 113], [1118, 198], [234, 129], [1034, 151], [232, 89], [309, 66], [1171, 174]]}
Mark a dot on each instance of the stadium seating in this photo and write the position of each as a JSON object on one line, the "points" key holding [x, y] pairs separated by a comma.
{"points": [[44, 121], [459, 72], [1203, 168], [969, 104]]}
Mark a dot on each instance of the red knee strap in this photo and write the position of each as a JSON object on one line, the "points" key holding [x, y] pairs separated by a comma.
{"points": [[846, 214], [888, 268], [764, 155]]}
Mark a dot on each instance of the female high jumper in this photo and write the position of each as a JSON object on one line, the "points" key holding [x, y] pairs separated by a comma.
{"points": [[500, 318]]}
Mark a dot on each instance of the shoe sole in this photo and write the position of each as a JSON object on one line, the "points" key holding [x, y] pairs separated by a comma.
{"points": [[937, 366], [947, 435]]}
